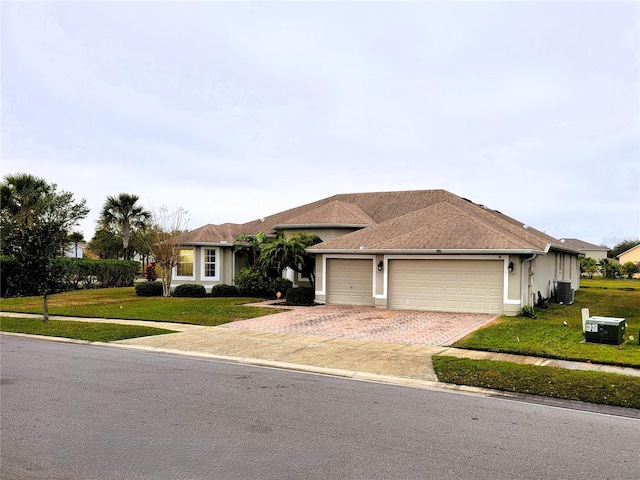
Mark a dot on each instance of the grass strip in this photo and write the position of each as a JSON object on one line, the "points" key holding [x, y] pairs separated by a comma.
{"points": [[586, 386], [89, 331], [547, 336]]}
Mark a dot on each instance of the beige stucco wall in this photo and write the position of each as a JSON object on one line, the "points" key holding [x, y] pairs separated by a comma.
{"points": [[540, 274], [226, 270], [320, 297], [632, 255], [513, 287], [595, 254]]}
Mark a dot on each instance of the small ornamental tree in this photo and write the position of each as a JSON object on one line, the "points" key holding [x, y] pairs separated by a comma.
{"points": [[161, 239], [609, 269], [629, 269], [150, 273], [588, 266]]}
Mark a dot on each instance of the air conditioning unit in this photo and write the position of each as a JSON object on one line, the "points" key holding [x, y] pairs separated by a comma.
{"points": [[564, 292]]}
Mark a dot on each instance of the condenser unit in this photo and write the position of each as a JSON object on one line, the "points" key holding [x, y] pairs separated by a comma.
{"points": [[564, 292]]}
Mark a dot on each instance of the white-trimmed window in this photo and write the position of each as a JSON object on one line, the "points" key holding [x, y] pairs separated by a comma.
{"points": [[210, 259], [185, 267]]}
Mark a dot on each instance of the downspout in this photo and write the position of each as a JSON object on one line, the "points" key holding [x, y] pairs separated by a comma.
{"points": [[522, 278], [233, 267]]}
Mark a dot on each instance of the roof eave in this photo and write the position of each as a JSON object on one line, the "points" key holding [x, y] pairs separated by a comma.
{"points": [[562, 248], [428, 251]]}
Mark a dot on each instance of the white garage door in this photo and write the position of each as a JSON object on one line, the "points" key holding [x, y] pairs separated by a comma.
{"points": [[446, 285], [349, 282]]}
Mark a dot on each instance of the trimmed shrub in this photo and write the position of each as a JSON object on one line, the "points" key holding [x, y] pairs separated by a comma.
{"points": [[282, 285], [300, 296], [252, 283], [223, 290], [149, 289], [189, 290]]}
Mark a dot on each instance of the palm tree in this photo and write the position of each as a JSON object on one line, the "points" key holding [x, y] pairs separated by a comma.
{"points": [[20, 195], [250, 246], [123, 214], [75, 238], [292, 253]]}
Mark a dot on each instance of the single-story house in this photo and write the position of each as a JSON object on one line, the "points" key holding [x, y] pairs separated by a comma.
{"points": [[597, 252], [631, 255], [425, 249]]}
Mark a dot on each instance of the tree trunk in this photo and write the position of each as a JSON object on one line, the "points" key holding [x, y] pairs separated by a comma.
{"points": [[166, 282], [45, 315]]}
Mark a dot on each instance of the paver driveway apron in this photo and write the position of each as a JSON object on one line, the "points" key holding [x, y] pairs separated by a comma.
{"points": [[368, 323]]}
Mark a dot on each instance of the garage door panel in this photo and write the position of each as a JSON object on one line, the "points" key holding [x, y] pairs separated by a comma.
{"points": [[350, 282], [446, 285]]}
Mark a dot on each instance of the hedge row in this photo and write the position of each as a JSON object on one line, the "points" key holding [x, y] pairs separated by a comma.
{"points": [[293, 296], [154, 289], [76, 274]]}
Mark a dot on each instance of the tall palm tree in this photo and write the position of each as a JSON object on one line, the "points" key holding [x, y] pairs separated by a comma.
{"points": [[21, 195], [123, 214]]}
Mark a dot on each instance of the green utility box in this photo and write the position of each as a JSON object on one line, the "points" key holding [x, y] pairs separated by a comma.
{"points": [[604, 330]]}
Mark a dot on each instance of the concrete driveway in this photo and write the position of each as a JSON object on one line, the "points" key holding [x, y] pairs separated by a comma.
{"points": [[411, 327]]}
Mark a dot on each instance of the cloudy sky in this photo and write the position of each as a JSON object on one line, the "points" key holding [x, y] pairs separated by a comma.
{"points": [[238, 110]]}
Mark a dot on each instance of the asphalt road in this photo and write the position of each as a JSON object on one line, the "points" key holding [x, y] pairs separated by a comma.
{"points": [[74, 411]]}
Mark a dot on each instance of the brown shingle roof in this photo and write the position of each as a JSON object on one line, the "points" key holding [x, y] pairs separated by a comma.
{"points": [[440, 226], [417, 219], [227, 232], [333, 213], [581, 244], [380, 206]]}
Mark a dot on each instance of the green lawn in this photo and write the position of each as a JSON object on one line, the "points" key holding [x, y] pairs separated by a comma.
{"points": [[617, 284], [547, 336], [595, 387], [123, 303], [92, 332]]}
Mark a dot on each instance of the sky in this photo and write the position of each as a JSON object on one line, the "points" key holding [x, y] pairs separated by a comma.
{"points": [[239, 110]]}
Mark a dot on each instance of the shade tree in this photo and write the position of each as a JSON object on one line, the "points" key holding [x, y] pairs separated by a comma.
{"points": [[35, 222]]}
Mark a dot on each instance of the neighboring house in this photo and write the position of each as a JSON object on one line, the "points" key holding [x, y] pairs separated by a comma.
{"points": [[426, 249], [631, 255], [73, 251], [597, 252]]}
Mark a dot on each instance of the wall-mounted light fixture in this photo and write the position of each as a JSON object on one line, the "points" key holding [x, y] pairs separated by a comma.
{"points": [[510, 267], [380, 265]]}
